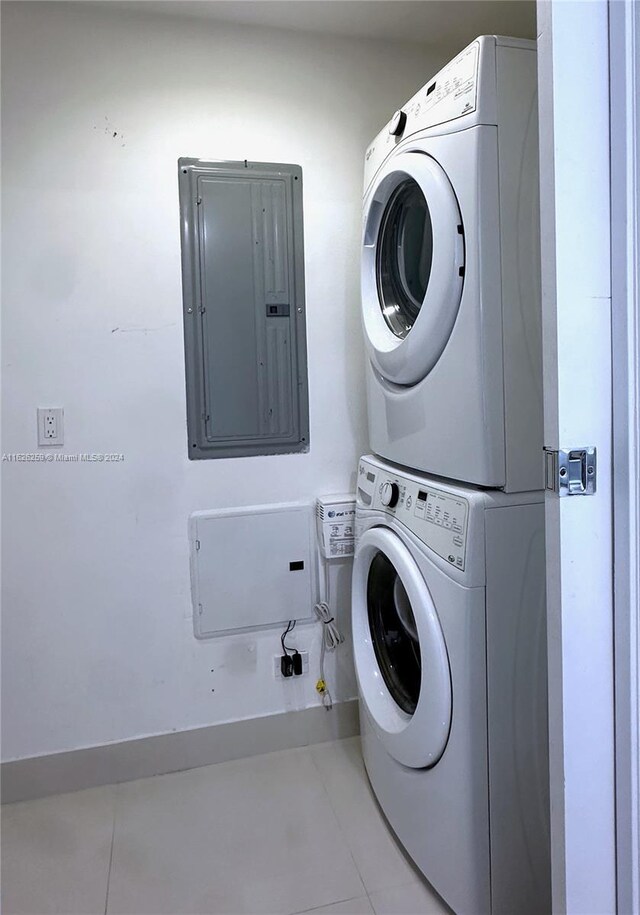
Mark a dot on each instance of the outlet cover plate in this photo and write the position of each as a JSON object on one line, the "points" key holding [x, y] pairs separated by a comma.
{"points": [[278, 673], [50, 426]]}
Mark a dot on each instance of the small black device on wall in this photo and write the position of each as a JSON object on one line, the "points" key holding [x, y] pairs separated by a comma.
{"points": [[244, 308]]}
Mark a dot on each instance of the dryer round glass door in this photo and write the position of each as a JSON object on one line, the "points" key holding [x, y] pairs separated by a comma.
{"points": [[399, 650], [412, 267], [403, 256]]}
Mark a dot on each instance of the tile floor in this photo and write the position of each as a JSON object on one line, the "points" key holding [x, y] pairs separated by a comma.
{"points": [[286, 833]]}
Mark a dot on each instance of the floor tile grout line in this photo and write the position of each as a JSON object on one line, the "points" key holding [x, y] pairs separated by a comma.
{"points": [[327, 905], [342, 831], [348, 843], [337, 821], [113, 836]]}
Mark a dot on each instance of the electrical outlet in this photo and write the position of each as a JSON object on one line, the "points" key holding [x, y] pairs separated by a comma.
{"points": [[50, 426], [277, 673]]}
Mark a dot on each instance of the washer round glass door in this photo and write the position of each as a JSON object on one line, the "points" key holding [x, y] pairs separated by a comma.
{"points": [[412, 267], [399, 649]]}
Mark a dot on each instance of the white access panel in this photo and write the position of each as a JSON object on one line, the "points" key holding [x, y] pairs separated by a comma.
{"points": [[252, 567]]}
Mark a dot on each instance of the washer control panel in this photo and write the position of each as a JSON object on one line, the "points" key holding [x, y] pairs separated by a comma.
{"points": [[438, 517]]}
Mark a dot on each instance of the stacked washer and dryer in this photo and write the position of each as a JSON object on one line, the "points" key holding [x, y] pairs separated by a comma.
{"points": [[449, 574]]}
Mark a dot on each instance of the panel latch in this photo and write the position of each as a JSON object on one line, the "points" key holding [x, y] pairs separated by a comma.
{"points": [[571, 472]]}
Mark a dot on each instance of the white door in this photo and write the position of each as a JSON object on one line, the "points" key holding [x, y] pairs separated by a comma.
{"points": [[573, 75], [412, 266], [624, 50], [400, 653]]}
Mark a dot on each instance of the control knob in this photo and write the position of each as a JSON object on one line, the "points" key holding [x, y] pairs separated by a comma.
{"points": [[397, 122], [389, 494]]}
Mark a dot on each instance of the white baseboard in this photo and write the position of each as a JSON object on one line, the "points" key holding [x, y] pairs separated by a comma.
{"points": [[38, 776]]}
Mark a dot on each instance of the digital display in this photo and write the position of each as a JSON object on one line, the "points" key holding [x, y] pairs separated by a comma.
{"points": [[371, 477], [422, 496], [431, 88]]}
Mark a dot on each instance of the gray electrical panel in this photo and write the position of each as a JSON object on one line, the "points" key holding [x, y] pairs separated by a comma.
{"points": [[244, 308]]}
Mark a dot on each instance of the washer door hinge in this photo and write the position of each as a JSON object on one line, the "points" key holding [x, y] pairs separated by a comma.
{"points": [[571, 471]]}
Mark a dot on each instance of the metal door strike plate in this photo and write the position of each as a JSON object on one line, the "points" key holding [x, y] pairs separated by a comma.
{"points": [[571, 471]]}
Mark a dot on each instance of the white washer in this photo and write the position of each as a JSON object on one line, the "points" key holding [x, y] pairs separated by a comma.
{"points": [[449, 637], [450, 274]]}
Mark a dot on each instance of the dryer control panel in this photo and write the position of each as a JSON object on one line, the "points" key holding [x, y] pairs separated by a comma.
{"points": [[451, 94], [461, 95], [436, 516]]}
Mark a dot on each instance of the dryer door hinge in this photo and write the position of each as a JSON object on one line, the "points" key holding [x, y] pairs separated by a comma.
{"points": [[571, 471]]}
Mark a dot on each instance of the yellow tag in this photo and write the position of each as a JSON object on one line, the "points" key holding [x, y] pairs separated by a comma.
{"points": [[321, 686]]}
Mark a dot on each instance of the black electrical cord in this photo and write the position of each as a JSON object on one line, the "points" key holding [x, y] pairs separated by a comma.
{"points": [[290, 627]]}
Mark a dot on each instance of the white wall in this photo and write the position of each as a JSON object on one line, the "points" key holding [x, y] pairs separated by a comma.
{"points": [[97, 107]]}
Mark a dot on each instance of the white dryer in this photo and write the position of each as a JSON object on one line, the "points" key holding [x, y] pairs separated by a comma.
{"points": [[448, 613], [450, 274]]}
